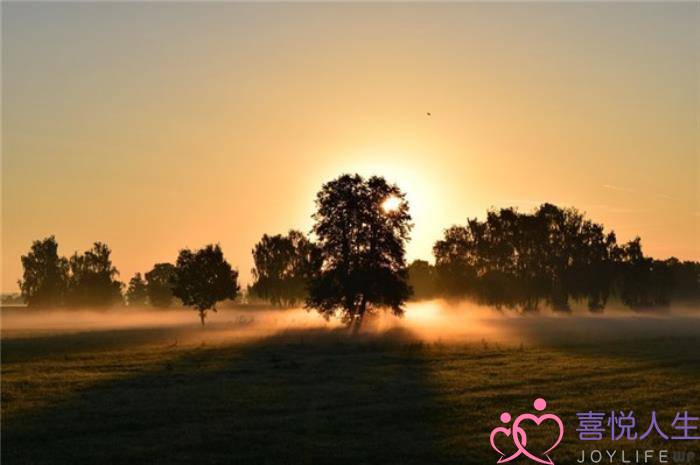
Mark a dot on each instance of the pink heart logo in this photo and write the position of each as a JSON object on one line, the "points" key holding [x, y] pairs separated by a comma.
{"points": [[537, 421]]}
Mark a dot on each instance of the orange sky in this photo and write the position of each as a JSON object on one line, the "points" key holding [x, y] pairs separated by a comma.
{"points": [[155, 126]]}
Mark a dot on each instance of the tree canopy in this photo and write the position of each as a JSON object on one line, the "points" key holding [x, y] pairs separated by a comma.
{"points": [[362, 247]]}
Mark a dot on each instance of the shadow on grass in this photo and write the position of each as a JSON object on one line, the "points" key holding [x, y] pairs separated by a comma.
{"points": [[310, 396]]}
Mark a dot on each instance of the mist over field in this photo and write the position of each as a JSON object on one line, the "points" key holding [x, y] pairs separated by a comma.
{"points": [[427, 321], [266, 385]]}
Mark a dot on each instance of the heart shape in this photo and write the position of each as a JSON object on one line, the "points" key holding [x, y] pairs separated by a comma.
{"points": [[506, 432], [537, 421]]}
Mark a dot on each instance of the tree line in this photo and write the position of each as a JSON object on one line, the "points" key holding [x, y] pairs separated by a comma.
{"points": [[356, 264], [198, 279], [552, 256]]}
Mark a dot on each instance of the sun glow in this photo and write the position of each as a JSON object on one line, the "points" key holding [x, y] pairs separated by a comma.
{"points": [[391, 204], [423, 185]]}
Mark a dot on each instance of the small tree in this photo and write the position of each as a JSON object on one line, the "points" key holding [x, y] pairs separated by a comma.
{"points": [[136, 294], [362, 227], [159, 284], [284, 266], [203, 278], [45, 274]]}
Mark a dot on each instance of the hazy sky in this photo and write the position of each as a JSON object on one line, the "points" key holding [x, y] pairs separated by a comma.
{"points": [[158, 126]]}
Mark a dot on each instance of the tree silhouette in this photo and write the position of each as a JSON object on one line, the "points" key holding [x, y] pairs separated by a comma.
{"points": [[552, 255], [203, 278], [362, 248], [422, 278], [518, 260], [686, 278], [159, 284], [136, 294], [92, 278], [643, 281], [45, 277], [455, 260], [284, 266]]}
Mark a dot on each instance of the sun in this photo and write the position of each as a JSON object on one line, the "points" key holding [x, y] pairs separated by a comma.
{"points": [[391, 204]]}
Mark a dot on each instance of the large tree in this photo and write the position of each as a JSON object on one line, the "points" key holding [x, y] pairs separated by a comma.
{"points": [[362, 226], [136, 294], [159, 284], [203, 277], [92, 278], [45, 277], [284, 266]]}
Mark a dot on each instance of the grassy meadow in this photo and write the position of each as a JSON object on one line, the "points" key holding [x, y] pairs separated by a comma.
{"points": [[258, 389]]}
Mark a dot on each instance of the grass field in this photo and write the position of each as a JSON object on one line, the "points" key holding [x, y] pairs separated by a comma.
{"points": [[177, 393]]}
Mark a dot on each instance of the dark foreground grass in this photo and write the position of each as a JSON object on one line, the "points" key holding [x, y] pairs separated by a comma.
{"points": [[132, 396]]}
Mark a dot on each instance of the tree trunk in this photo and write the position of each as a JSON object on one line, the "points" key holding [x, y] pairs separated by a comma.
{"points": [[560, 298], [360, 316], [202, 315], [356, 326]]}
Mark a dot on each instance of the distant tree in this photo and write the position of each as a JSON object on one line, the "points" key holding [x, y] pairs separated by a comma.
{"points": [[92, 278], [422, 278], [45, 277], [159, 284], [203, 278], [284, 267], [136, 294], [362, 246], [518, 260], [643, 281], [686, 279], [591, 274], [455, 261]]}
